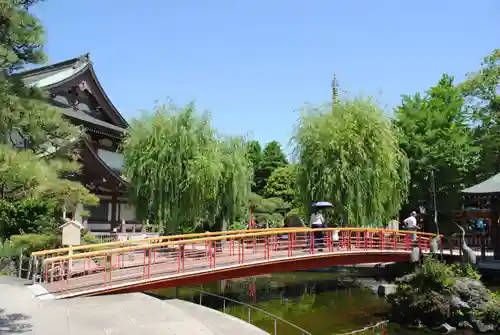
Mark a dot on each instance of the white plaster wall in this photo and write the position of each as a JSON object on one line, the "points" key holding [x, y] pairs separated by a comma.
{"points": [[110, 211], [127, 212]]}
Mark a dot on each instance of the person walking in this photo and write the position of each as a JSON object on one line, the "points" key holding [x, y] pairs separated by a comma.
{"points": [[318, 222], [411, 224]]}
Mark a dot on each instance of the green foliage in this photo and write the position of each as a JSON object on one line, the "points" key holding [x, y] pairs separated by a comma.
{"points": [[281, 183], [254, 152], [272, 158], [22, 37], [436, 137], [464, 270], [436, 293], [26, 216], [238, 225], [483, 103], [235, 181], [181, 174], [433, 275], [7, 253], [270, 212], [88, 238], [32, 179], [24, 175], [33, 242], [351, 157]]}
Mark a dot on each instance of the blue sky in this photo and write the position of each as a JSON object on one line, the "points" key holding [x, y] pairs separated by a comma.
{"points": [[252, 63]]}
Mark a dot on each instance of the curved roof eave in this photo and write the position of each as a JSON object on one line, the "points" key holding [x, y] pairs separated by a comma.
{"points": [[80, 66], [103, 164], [490, 186], [117, 114]]}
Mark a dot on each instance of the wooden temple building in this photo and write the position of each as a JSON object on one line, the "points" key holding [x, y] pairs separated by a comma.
{"points": [[74, 88], [483, 201]]}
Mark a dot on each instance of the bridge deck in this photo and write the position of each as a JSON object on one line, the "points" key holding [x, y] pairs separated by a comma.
{"points": [[177, 262]]}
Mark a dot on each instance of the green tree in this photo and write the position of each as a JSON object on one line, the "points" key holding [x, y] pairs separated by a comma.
{"points": [[272, 158], [350, 156], [235, 184], [482, 100], [36, 172], [437, 139], [254, 152], [22, 38], [269, 212], [281, 183], [181, 174]]}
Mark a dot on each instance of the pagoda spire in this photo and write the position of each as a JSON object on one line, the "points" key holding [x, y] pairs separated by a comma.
{"points": [[335, 91]]}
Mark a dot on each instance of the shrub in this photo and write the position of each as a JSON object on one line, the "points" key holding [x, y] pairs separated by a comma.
{"points": [[464, 270], [33, 242], [7, 252], [32, 216], [88, 238], [433, 275]]}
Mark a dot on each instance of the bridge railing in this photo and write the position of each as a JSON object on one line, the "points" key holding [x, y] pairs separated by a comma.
{"points": [[139, 263], [39, 256], [277, 322]]}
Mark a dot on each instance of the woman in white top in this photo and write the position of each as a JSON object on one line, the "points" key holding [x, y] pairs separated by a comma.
{"points": [[411, 224], [318, 222]]}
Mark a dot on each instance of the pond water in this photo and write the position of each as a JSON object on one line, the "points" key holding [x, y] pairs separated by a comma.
{"points": [[323, 303]]}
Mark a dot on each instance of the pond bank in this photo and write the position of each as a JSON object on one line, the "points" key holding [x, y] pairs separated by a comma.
{"points": [[308, 300], [323, 302]]}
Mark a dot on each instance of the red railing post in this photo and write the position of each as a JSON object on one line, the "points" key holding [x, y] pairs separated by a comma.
{"points": [[366, 239], [210, 253], [215, 253], [243, 250], [311, 243], [407, 241], [381, 239], [290, 244], [265, 247], [110, 269], [329, 240], [349, 240]]}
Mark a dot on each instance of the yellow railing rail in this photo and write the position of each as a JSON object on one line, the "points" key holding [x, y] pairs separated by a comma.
{"points": [[155, 239], [260, 233]]}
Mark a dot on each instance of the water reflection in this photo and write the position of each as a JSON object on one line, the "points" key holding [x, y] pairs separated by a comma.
{"points": [[321, 303]]}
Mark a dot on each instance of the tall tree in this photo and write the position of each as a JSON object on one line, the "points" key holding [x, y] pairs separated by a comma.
{"points": [[235, 185], [181, 174], [37, 171], [22, 38], [437, 140], [273, 157], [350, 156], [254, 154], [281, 184], [481, 91]]}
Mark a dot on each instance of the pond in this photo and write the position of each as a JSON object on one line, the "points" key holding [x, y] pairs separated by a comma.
{"points": [[323, 303]]}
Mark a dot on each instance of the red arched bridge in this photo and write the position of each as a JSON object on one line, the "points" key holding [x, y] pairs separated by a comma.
{"points": [[170, 261]]}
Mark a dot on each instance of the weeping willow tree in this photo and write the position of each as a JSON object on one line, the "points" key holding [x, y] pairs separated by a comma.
{"points": [[181, 174], [232, 197], [349, 155]]}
